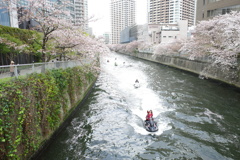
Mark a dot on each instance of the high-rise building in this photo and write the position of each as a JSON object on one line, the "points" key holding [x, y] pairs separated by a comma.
{"points": [[79, 12], [209, 8], [7, 16], [122, 16], [171, 11], [85, 10]]}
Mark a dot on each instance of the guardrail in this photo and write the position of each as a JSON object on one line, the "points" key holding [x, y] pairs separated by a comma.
{"points": [[24, 69]]}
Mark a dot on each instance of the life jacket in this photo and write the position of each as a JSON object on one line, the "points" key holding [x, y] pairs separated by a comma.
{"points": [[149, 115]]}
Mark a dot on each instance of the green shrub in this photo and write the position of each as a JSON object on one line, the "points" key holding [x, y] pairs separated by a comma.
{"points": [[20, 37]]}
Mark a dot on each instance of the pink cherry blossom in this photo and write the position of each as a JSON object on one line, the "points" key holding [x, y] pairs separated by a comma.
{"points": [[60, 35], [218, 38]]}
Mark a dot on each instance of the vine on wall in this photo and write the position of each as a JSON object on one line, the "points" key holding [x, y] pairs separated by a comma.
{"points": [[31, 108]]}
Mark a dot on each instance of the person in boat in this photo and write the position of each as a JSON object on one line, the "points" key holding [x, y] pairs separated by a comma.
{"points": [[149, 115]]}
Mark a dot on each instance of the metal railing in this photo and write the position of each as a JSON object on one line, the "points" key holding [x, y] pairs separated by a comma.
{"points": [[24, 69]]}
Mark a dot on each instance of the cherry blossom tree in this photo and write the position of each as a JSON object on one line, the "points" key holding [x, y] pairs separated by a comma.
{"points": [[161, 49], [64, 40], [127, 47], [118, 47], [168, 48], [132, 46], [72, 42], [60, 35], [48, 16], [218, 38], [144, 46]]}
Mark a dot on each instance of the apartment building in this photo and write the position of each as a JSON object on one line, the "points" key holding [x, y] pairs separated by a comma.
{"points": [[78, 10], [171, 11], [85, 10], [207, 9], [122, 16], [165, 33], [156, 33]]}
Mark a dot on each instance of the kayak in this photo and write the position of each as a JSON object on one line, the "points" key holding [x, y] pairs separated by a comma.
{"points": [[151, 125]]}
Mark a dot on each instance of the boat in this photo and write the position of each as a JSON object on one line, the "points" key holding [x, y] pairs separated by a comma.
{"points": [[151, 125], [136, 85]]}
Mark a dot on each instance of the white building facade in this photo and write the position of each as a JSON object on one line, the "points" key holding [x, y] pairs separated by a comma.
{"points": [[163, 33], [86, 15], [156, 33], [171, 11], [122, 16], [79, 13]]}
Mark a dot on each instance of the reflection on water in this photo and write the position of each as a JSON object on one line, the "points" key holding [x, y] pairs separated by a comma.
{"points": [[197, 119]]}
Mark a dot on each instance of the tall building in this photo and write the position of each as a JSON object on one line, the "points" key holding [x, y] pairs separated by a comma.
{"points": [[171, 11], [85, 10], [8, 17], [209, 8], [78, 10], [122, 16]]}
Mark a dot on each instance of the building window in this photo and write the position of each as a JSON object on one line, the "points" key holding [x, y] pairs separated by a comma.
{"points": [[208, 13], [4, 17]]}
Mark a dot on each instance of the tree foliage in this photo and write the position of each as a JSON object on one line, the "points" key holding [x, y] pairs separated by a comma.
{"points": [[59, 34], [15, 40], [218, 38]]}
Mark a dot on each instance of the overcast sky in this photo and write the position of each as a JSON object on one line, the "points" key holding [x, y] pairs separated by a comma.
{"points": [[100, 9]]}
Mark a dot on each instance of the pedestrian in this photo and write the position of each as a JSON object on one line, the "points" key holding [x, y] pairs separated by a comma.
{"points": [[12, 68]]}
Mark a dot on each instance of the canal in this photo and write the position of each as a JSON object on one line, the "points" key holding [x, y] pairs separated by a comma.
{"points": [[197, 119]]}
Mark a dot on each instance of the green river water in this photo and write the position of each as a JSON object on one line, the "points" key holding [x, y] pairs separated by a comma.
{"points": [[197, 119]]}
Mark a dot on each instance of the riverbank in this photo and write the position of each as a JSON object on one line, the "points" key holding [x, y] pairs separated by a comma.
{"points": [[201, 67], [35, 108], [197, 119], [65, 123]]}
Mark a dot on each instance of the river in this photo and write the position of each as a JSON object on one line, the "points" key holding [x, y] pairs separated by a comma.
{"points": [[197, 119]]}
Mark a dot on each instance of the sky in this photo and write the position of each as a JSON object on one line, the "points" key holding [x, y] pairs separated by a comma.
{"points": [[100, 9]]}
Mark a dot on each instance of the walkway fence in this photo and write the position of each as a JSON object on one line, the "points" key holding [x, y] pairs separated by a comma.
{"points": [[24, 69]]}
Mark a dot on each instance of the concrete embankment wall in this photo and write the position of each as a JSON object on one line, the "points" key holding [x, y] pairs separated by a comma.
{"points": [[36, 107], [201, 66]]}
